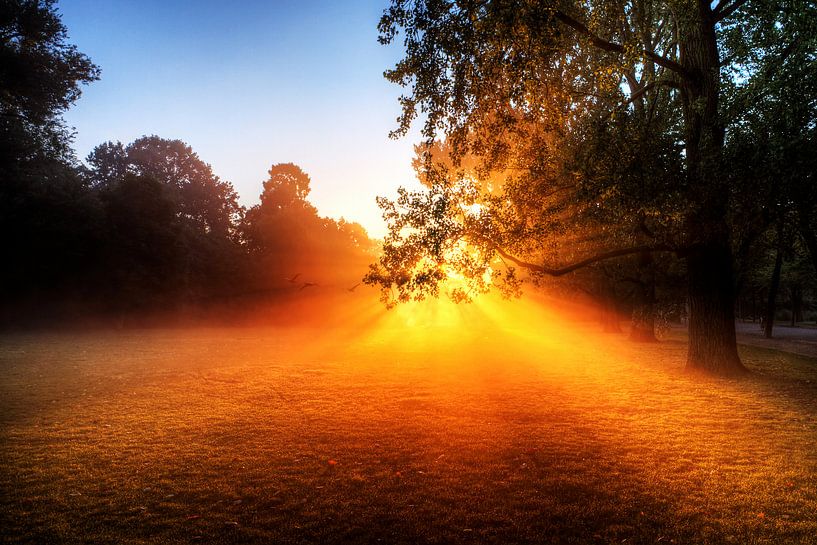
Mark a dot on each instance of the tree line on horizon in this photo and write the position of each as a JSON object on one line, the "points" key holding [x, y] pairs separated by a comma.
{"points": [[140, 229], [148, 230]]}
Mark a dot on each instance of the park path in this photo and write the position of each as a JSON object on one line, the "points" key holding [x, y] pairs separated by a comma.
{"points": [[795, 340]]}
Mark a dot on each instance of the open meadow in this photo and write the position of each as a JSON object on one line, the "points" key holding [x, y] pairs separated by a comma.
{"points": [[432, 423], [239, 238]]}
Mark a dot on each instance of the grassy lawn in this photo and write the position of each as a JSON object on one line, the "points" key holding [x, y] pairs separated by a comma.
{"points": [[466, 425]]}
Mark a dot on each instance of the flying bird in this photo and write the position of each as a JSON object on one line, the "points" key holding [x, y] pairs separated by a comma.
{"points": [[294, 278], [352, 289], [307, 285]]}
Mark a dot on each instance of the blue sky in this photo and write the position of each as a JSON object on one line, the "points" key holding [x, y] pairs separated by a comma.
{"points": [[248, 84]]}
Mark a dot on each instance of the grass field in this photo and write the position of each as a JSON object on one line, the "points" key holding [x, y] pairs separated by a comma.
{"points": [[450, 425]]}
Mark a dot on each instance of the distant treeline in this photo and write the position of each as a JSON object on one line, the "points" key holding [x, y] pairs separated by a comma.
{"points": [[142, 229], [148, 229]]}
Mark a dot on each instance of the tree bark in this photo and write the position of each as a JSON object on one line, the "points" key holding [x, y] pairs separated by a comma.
{"points": [[609, 321], [609, 317], [754, 306], [796, 293], [712, 340], [808, 235]]}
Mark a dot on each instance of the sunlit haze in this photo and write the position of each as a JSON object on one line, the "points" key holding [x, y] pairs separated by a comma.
{"points": [[270, 82]]}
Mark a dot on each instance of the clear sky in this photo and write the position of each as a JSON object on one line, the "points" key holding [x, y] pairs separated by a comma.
{"points": [[247, 84]]}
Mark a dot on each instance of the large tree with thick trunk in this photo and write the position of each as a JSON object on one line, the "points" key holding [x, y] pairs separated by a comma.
{"points": [[482, 73]]}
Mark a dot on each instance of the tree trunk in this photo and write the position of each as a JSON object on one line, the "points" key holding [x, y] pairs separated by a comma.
{"points": [[774, 285], [754, 306], [609, 318], [712, 341], [610, 322], [808, 236], [796, 304], [643, 321]]}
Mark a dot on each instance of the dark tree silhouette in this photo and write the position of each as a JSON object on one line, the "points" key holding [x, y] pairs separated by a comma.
{"points": [[160, 189], [47, 215], [40, 74], [284, 233]]}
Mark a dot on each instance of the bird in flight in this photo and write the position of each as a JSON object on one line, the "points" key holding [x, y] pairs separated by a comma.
{"points": [[307, 285], [294, 278], [352, 289]]}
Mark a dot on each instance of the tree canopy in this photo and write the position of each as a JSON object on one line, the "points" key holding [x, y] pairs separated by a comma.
{"points": [[613, 117], [41, 76], [286, 235]]}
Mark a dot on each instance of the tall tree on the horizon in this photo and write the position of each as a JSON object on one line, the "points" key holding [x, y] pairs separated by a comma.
{"points": [[285, 234], [208, 203]]}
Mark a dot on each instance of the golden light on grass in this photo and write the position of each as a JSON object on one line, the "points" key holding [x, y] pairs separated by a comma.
{"points": [[497, 421]]}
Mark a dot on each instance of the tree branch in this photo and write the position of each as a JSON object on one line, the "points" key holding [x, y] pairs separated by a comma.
{"points": [[560, 271], [723, 11], [613, 47], [652, 85]]}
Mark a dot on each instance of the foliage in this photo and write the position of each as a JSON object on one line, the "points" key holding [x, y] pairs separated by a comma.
{"points": [[48, 219], [637, 97], [285, 235], [769, 145], [171, 224], [40, 77], [434, 236], [207, 204]]}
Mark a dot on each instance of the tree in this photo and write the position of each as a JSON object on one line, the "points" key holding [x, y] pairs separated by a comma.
{"points": [[768, 149], [48, 218], [478, 68], [40, 77], [141, 266], [153, 184], [209, 204], [284, 221], [107, 164], [285, 235]]}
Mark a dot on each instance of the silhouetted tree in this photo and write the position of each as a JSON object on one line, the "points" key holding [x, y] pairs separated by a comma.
{"points": [[285, 234], [107, 164], [142, 262], [768, 148], [47, 215], [209, 204], [40, 77], [198, 256]]}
